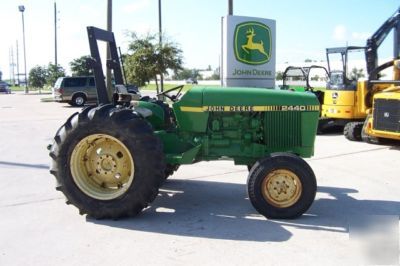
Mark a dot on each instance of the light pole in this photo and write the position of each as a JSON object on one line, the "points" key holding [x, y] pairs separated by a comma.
{"points": [[17, 54], [160, 44], [230, 7], [55, 34], [21, 8]]}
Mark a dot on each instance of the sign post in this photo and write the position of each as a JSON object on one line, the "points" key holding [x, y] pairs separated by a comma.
{"points": [[248, 52]]}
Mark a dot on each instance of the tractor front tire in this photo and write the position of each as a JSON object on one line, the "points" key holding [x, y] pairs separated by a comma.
{"points": [[352, 131], [107, 162], [281, 186]]}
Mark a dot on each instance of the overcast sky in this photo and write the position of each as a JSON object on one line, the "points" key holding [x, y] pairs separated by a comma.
{"points": [[304, 28]]}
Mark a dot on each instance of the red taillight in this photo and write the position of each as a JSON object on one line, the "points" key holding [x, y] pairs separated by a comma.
{"points": [[60, 90]]}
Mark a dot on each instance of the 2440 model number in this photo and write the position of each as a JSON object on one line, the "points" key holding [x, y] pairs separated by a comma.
{"points": [[293, 108]]}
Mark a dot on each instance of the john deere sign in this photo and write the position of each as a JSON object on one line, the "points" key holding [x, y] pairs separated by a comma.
{"points": [[252, 43], [248, 52]]}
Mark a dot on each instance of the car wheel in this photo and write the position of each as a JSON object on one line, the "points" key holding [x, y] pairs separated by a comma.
{"points": [[78, 100]]}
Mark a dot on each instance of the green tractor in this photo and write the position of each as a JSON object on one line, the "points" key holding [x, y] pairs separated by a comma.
{"points": [[110, 160]]}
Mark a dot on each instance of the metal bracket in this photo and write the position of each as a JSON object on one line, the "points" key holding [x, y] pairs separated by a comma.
{"points": [[113, 63]]}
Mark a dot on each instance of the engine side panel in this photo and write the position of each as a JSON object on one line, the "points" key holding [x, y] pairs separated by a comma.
{"points": [[244, 124]]}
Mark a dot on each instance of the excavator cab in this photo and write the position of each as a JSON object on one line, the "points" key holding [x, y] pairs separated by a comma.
{"points": [[336, 80], [338, 66], [340, 104]]}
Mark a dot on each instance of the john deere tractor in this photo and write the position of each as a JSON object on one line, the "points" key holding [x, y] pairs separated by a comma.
{"points": [[110, 160]]}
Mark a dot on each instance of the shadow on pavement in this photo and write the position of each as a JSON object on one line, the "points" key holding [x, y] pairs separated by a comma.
{"points": [[76, 107], [40, 166], [332, 131], [203, 209], [336, 209], [218, 210], [395, 148]]}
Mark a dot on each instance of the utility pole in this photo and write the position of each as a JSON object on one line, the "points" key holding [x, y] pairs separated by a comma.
{"points": [[10, 61], [55, 33], [18, 64], [12, 66], [22, 9], [109, 28], [230, 7], [160, 44]]}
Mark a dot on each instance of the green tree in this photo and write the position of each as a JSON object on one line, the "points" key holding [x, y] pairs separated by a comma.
{"points": [[357, 73], [186, 73], [214, 76], [79, 67], [38, 76], [382, 75], [53, 73], [147, 58], [279, 75], [315, 78]]}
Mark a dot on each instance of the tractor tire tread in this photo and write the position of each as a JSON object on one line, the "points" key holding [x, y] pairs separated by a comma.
{"points": [[136, 134]]}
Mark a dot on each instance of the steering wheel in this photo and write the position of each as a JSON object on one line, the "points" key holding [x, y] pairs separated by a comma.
{"points": [[174, 97]]}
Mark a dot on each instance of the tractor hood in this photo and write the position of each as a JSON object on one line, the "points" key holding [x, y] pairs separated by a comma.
{"points": [[193, 109], [257, 98]]}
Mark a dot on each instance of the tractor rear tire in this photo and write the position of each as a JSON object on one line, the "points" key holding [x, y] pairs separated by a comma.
{"points": [[352, 131], [107, 162], [281, 186], [170, 170]]}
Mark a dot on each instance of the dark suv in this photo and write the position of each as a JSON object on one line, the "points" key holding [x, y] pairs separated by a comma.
{"points": [[78, 90], [75, 90], [5, 87]]}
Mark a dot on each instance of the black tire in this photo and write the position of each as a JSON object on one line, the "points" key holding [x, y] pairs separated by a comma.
{"points": [[367, 138], [270, 169], [322, 126], [136, 136], [79, 99], [352, 131], [375, 140], [170, 170]]}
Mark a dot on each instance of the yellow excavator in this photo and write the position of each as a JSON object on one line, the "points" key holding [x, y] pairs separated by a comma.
{"points": [[342, 102], [347, 100], [380, 98]]}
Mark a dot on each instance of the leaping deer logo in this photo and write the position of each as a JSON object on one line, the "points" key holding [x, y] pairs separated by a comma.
{"points": [[250, 45]]}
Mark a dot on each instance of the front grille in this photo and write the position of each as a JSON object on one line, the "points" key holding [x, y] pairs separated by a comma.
{"points": [[387, 115], [282, 129]]}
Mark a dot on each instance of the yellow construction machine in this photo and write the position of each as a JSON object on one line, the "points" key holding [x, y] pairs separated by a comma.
{"points": [[383, 120], [346, 100]]}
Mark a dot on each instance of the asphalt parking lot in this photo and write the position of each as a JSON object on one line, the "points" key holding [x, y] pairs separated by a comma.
{"points": [[202, 215]]}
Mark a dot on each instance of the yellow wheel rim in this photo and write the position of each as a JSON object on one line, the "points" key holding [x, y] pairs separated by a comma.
{"points": [[281, 188], [102, 167]]}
